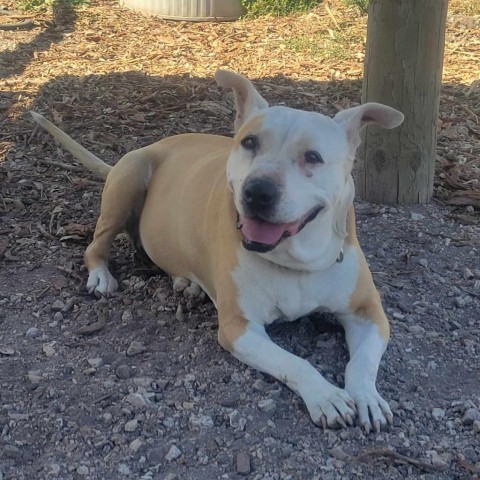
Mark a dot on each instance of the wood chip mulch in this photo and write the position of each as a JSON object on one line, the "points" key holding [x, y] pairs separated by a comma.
{"points": [[116, 80]]}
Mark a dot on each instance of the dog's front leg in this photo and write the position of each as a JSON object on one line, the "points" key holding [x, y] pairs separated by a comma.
{"points": [[248, 342], [367, 332]]}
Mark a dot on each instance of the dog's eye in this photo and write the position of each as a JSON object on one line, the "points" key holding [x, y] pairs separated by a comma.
{"points": [[313, 157], [250, 142]]}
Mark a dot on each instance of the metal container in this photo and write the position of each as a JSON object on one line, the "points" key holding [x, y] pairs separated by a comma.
{"points": [[190, 10]]}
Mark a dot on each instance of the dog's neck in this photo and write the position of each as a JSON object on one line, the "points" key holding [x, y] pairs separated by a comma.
{"points": [[316, 247]]}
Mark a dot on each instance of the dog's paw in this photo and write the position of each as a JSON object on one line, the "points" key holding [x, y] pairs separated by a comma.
{"points": [[373, 411], [332, 408], [191, 290], [101, 281]]}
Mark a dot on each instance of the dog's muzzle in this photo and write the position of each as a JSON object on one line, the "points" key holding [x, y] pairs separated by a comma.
{"points": [[260, 196]]}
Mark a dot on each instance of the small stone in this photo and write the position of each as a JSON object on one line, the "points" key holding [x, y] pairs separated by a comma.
{"points": [[83, 470], [58, 305], [268, 406], [416, 329], [470, 209], [392, 210], [135, 445], [236, 420], [10, 452], [131, 425], [135, 348], [416, 217], [95, 362], [179, 315], [423, 262], [470, 415], [459, 302], [123, 469], [201, 421], [173, 453], [123, 371], [4, 350], [476, 426], [468, 274], [127, 316], [58, 317], [33, 332], [438, 413], [339, 453], [437, 461], [48, 349], [136, 400], [35, 376], [243, 463]]}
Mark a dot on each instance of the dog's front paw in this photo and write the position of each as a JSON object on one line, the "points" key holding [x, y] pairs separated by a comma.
{"points": [[332, 407], [372, 410], [100, 280]]}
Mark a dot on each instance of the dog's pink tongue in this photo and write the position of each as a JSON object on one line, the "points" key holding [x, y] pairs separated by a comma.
{"points": [[256, 230]]}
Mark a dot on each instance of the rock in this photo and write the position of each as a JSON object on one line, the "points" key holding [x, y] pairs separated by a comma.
{"points": [[243, 463], [58, 305], [438, 413], [35, 376], [95, 362], [471, 414], [173, 453], [339, 453], [4, 350], [423, 262], [58, 317], [33, 332], [123, 372], [468, 274], [135, 348], [131, 425], [236, 420], [476, 426], [137, 400], [416, 329], [127, 316], [416, 217], [123, 469], [438, 462], [459, 302], [179, 315], [83, 470], [10, 452], [201, 421], [48, 349], [135, 445], [268, 406]]}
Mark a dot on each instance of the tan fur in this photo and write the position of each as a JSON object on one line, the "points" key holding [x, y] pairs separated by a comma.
{"points": [[365, 300]]}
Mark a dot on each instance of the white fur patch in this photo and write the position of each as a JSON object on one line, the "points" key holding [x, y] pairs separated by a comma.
{"points": [[101, 280]]}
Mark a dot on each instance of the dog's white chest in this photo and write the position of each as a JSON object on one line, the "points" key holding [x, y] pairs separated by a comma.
{"points": [[268, 292]]}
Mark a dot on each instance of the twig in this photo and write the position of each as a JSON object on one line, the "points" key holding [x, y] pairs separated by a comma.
{"points": [[72, 168], [93, 327], [330, 14], [386, 452]]}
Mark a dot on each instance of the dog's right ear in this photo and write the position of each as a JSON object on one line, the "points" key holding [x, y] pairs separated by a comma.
{"points": [[247, 98]]}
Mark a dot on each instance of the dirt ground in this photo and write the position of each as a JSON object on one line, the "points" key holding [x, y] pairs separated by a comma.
{"points": [[137, 386]]}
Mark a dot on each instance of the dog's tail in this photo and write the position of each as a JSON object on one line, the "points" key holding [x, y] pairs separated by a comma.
{"points": [[86, 158]]}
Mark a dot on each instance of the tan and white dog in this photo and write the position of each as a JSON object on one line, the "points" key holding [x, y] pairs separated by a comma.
{"points": [[264, 224]]}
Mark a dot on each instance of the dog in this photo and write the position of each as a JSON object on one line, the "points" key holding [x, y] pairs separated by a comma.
{"points": [[263, 223]]}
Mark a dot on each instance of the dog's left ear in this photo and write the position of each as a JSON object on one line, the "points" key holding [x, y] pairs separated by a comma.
{"points": [[247, 98], [356, 118]]}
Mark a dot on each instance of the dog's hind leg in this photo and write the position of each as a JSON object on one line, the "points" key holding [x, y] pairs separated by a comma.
{"points": [[122, 200]]}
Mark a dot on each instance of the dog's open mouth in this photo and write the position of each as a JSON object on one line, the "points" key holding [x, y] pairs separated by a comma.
{"points": [[262, 236]]}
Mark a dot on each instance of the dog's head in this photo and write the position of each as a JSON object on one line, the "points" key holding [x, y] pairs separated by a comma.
{"points": [[290, 168]]}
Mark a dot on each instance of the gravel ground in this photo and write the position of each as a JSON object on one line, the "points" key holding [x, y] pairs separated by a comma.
{"points": [[137, 386]]}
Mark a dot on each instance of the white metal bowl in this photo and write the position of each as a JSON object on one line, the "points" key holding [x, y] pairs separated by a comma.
{"points": [[190, 10]]}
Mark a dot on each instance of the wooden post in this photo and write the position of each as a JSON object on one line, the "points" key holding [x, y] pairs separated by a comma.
{"points": [[403, 69]]}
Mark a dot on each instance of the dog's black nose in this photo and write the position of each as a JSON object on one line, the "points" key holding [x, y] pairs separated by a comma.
{"points": [[260, 194]]}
